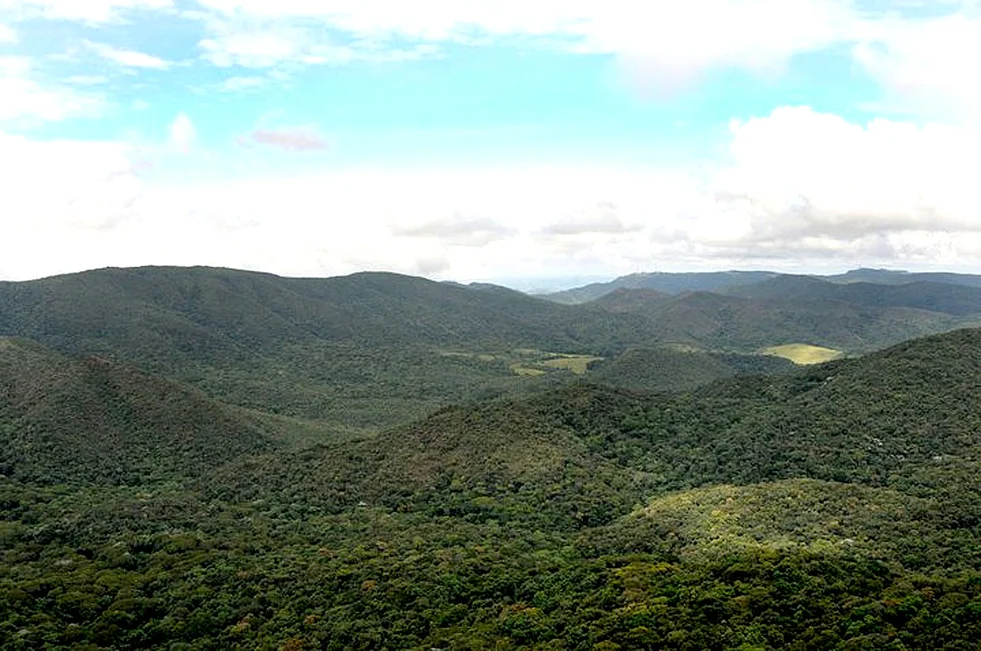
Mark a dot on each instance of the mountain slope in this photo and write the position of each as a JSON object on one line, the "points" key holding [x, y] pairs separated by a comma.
{"points": [[363, 350], [836, 507], [150, 311], [746, 323], [93, 421], [668, 369], [958, 300], [668, 283], [904, 419]]}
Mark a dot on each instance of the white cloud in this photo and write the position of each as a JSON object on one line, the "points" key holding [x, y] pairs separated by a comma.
{"points": [[60, 187], [127, 58], [93, 11], [801, 189], [928, 64], [237, 84], [268, 45], [254, 49], [665, 43], [182, 133], [27, 101], [601, 219], [801, 173], [7, 35]]}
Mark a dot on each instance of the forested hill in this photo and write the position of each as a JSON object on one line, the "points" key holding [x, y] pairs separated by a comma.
{"points": [[902, 418], [941, 297], [205, 313], [94, 421], [373, 350], [834, 507], [668, 283], [361, 351], [752, 322]]}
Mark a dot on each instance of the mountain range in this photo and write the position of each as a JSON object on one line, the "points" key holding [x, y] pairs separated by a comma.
{"points": [[208, 458]]}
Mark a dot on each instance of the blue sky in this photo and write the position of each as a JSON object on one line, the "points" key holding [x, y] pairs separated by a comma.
{"points": [[517, 141]]}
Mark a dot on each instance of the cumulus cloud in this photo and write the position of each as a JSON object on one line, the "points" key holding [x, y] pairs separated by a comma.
{"points": [[92, 11], [28, 101], [127, 58], [797, 172], [63, 184], [7, 35], [603, 218], [927, 65], [666, 44], [459, 230], [289, 139], [799, 188]]}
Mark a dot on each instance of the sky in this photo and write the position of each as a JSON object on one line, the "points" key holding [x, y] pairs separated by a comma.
{"points": [[535, 143]]}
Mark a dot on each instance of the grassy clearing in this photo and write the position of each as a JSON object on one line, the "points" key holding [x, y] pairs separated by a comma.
{"points": [[578, 364], [803, 353], [532, 362], [518, 369]]}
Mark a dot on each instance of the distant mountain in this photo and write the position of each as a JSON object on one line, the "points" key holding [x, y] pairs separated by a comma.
{"points": [[731, 281], [959, 300], [154, 312], [668, 283], [366, 350], [93, 421], [891, 277], [742, 323]]}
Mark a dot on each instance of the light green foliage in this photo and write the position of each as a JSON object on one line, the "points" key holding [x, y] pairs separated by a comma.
{"points": [[803, 353]]}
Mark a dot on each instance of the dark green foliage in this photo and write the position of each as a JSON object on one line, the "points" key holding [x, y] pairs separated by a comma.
{"points": [[665, 283], [746, 324], [365, 350], [94, 421], [669, 369], [947, 298]]}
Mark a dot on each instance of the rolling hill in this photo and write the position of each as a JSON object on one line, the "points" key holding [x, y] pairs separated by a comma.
{"points": [[733, 281], [94, 421], [366, 350], [836, 506], [742, 323], [957, 300], [373, 350], [667, 283], [902, 418]]}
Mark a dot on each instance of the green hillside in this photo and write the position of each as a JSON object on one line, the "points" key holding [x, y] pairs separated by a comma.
{"points": [[365, 350], [669, 368], [640, 490], [946, 298], [93, 421], [832, 507], [749, 324], [374, 350], [666, 283]]}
